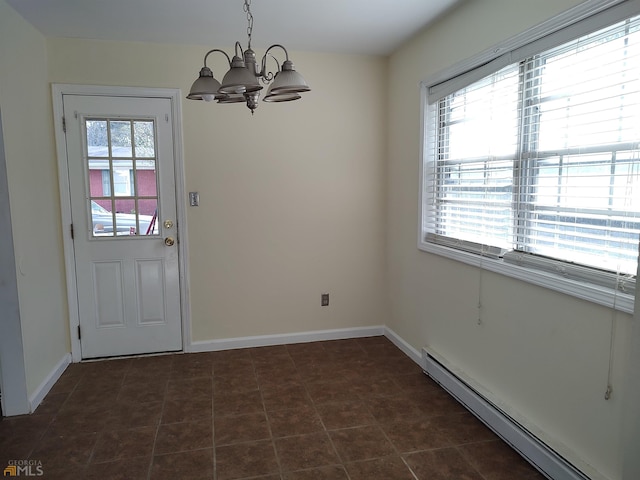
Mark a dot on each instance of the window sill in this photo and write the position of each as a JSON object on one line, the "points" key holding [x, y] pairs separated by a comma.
{"points": [[593, 293]]}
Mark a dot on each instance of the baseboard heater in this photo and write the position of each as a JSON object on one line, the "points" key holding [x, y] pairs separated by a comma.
{"points": [[537, 453]]}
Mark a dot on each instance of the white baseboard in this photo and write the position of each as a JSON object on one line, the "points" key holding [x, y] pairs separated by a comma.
{"points": [[530, 447], [284, 339], [408, 350], [38, 395]]}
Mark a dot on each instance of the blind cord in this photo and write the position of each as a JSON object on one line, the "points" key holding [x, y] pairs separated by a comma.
{"points": [[614, 318], [479, 321], [609, 391]]}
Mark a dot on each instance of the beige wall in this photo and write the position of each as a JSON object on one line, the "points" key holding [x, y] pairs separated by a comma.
{"points": [[25, 101], [302, 199], [543, 354], [292, 200]]}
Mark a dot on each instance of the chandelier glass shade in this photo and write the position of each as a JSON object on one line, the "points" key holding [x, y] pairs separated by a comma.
{"points": [[242, 82]]}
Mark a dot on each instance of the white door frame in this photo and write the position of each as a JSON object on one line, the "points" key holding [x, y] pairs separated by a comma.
{"points": [[58, 90]]}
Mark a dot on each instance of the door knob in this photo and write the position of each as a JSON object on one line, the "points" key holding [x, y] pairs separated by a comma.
{"points": [[169, 241]]}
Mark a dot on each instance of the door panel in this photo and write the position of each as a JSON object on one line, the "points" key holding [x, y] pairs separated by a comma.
{"points": [[109, 296], [150, 289], [121, 177]]}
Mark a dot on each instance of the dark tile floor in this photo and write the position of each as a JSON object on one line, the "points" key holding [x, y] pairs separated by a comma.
{"points": [[347, 409]]}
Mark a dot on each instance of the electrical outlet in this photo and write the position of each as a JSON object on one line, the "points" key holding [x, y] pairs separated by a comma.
{"points": [[324, 299]]}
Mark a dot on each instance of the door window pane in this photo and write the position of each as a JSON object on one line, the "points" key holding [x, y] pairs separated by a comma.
{"points": [[99, 178], [146, 178], [148, 216], [102, 218], [126, 217], [97, 138], [144, 139], [123, 178], [121, 139]]}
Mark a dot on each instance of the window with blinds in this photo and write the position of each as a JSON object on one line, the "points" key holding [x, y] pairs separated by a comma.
{"points": [[539, 162]]}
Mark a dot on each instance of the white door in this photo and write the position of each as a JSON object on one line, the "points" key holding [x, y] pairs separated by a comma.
{"points": [[123, 208]]}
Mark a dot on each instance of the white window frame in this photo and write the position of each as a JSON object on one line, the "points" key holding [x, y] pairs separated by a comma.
{"points": [[574, 280]]}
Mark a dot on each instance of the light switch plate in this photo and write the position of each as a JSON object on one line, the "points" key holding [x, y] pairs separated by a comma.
{"points": [[194, 199]]}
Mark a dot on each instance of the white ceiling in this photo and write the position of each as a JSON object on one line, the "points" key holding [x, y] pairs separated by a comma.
{"points": [[343, 26]]}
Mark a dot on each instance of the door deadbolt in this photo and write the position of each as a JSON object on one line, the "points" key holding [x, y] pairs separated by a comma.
{"points": [[168, 224]]}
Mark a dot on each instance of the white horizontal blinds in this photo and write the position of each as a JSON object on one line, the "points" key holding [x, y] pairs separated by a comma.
{"points": [[470, 180], [613, 11], [580, 182]]}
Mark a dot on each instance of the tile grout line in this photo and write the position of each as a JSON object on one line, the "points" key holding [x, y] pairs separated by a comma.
{"points": [[395, 448], [53, 419], [155, 440], [466, 459], [378, 424], [266, 417], [213, 421], [101, 433], [326, 431]]}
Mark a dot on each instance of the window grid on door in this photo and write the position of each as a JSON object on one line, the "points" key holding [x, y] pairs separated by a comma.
{"points": [[122, 176]]}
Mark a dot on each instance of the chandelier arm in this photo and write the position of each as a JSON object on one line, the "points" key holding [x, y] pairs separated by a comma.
{"points": [[277, 45], [238, 46], [265, 76], [216, 50]]}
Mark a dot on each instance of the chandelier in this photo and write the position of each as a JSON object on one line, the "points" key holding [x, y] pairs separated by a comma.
{"points": [[241, 84]]}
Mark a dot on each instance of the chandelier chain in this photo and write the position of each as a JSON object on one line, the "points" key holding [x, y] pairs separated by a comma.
{"points": [[247, 9]]}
